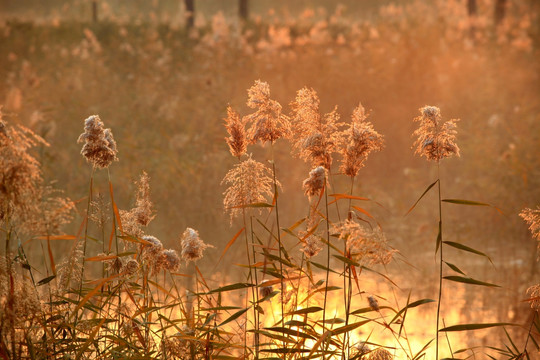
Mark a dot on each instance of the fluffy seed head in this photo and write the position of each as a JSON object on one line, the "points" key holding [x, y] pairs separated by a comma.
{"points": [[532, 217], [20, 172], [153, 249], [143, 211], [364, 244], [362, 347], [267, 122], [237, 140], [373, 303], [360, 140], [380, 354], [131, 267], [249, 182], [170, 260], [192, 245], [311, 246], [436, 139], [99, 147], [314, 184], [315, 137], [534, 293]]}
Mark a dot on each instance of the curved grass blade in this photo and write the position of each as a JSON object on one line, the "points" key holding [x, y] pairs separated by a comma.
{"points": [[284, 330], [307, 310], [233, 317], [229, 244], [466, 248], [346, 260], [455, 268], [231, 287], [421, 196], [411, 305], [439, 238], [420, 354], [467, 280], [467, 327], [465, 202], [349, 327], [45, 280], [345, 196]]}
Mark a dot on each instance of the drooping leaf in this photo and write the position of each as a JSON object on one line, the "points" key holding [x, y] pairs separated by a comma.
{"points": [[233, 317], [465, 202], [307, 310], [439, 238], [230, 243], [346, 260], [345, 196], [231, 287], [455, 268], [411, 305], [349, 327], [45, 280], [467, 280], [467, 327], [466, 248], [421, 196]]}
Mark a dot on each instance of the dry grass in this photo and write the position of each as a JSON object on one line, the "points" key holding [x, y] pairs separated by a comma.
{"points": [[328, 273]]}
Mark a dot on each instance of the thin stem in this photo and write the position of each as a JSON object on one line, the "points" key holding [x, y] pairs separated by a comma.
{"points": [[327, 260], [84, 241], [250, 276], [347, 284], [529, 333], [257, 337], [439, 244], [278, 236]]}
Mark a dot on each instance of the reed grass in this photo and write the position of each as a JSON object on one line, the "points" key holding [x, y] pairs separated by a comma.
{"points": [[134, 306]]}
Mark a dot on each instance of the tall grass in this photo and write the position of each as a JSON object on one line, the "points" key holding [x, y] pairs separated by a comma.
{"points": [[111, 289], [136, 308]]}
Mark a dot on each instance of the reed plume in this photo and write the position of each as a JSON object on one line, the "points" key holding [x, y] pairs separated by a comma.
{"points": [[143, 213], [311, 246], [151, 253], [380, 354], [20, 172], [192, 245], [534, 293], [249, 182], [70, 270], [237, 139], [532, 218], [364, 245], [316, 182], [360, 140], [268, 123], [436, 139], [315, 137], [99, 147]]}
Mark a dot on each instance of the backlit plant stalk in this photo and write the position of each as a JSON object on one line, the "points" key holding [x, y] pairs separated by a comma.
{"points": [[237, 142], [99, 149], [269, 124], [359, 140], [436, 140]]}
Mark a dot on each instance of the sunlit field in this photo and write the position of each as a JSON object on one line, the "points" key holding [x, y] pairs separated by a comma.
{"points": [[301, 180]]}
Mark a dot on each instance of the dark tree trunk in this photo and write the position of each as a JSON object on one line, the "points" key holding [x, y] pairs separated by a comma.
{"points": [[472, 7], [243, 9], [94, 11], [500, 11], [190, 13], [472, 11]]}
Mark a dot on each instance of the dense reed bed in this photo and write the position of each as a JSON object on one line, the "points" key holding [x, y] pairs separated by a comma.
{"points": [[311, 230]]}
